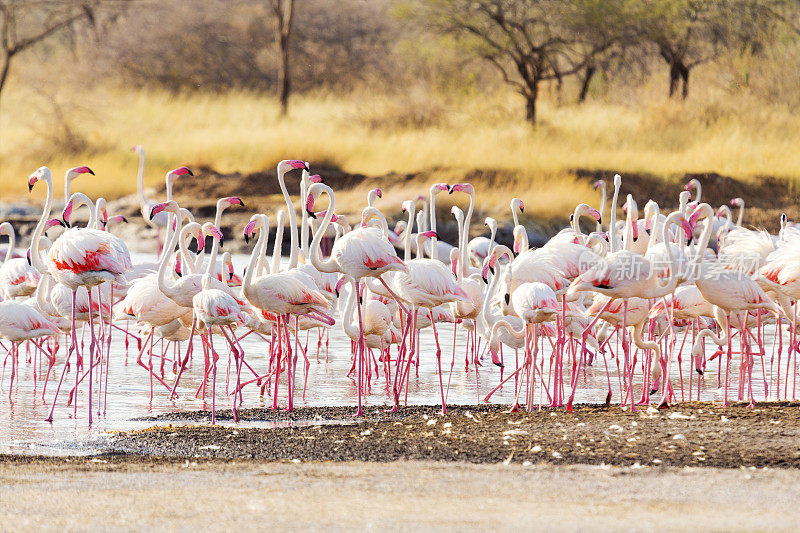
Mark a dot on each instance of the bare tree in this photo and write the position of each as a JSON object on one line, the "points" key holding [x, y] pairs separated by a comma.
{"points": [[283, 11], [528, 41], [47, 17]]}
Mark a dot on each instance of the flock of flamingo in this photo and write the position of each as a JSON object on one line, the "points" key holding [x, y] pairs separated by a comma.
{"points": [[627, 296]]}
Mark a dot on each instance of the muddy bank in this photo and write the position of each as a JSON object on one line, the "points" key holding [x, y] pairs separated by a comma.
{"points": [[696, 434]]}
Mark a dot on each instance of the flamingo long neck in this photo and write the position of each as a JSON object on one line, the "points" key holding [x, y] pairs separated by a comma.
{"points": [[407, 236], [292, 220], [80, 199], [705, 237], [492, 236], [613, 238], [459, 215], [349, 325], [602, 206], [630, 220], [328, 265], [188, 262], [434, 251], [642, 344], [67, 189], [580, 210], [426, 212], [304, 226], [655, 227], [140, 179], [740, 218], [699, 190], [467, 223], [36, 259], [514, 213], [420, 242], [248, 289], [168, 288], [278, 244], [212, 261], [12, 240], [672, 282]]}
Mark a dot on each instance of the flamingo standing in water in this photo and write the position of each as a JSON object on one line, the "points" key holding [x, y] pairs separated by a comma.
{"points": [[17, 277], [19, 323], [280, 294], [363, 252], [81, 257]]}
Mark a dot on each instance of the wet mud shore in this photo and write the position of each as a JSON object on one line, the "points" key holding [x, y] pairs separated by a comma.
{"points": [[691, 434]]}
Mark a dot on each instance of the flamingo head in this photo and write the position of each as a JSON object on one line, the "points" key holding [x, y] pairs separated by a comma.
{"points": [[116, 218], [378, 192], [137, 148], [783, 220], [74, 172], [28, 257], [737, 202], [251, 228], [721, 211], [338, 287], [487, 267], [176, 173], [599, 183], [429, 235], [39, 174], [315, 178], [229, 201], [291, 164], [692, 184], [178, 269], [157, 208], [212, 231], [517, 203], [419, 198], [439, 187], [462, 187], [53, 222], [688, 228], [66, 214], [321, 214], [311, 199], [454, 261], [493, 352]]}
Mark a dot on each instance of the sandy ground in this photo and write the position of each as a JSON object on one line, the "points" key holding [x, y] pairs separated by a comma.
{"points": [[86, 495]]}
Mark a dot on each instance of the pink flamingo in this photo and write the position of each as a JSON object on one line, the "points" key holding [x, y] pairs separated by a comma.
{"points": [[18, 278], [361, 253], [19, 323], [213, 307], [280, 294], [80, 257]]}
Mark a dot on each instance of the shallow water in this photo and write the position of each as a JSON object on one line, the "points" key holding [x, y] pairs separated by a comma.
{"points": [[23, 428]]}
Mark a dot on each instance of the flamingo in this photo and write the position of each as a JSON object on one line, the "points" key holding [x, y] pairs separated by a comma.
{"points": [[80, 257], [18, 323], [361, 253]]}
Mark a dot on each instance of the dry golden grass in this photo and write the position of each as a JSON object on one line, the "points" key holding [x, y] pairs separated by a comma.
{"points": [[378, 134]]}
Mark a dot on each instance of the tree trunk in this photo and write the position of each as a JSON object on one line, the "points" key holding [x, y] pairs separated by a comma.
{"points": [[588, 74], [5, 63], [530, 102], [678, 75], [673, 79], [685, 77], [284, 77], [284, 16]]}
